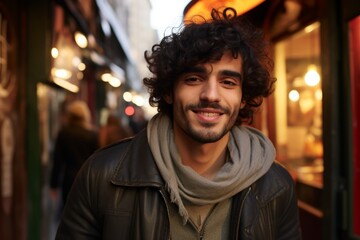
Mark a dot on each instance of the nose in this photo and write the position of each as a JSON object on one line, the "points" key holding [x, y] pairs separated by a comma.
{"points": [[210, 91]]}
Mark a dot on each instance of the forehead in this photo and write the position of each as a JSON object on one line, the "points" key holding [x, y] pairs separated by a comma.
{"points": [[227, 61]]}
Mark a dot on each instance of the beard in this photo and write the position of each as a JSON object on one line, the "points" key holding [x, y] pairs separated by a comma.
{"points": [[207, 133]]}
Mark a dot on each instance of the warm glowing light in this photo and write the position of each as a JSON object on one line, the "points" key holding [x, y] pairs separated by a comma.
{"points": [[203, 8], [312, 77], [81, 40], [81, 66], [298, 82], [318, 94], [106, 77], [312, 27], [67, 85], [54, 52], [138, 100], [76, 61], [115, 82], [109, 78], [294, 96], [127, 96], [61, 73]]}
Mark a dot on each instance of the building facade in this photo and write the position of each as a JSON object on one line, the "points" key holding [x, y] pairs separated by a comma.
{"points": [[53, 52]]}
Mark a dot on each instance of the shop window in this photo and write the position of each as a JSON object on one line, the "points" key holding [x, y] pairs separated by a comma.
{"points": [[298, 104]]}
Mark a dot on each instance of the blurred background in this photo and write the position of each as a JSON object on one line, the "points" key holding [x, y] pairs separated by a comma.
{"points": [[55, 52]]}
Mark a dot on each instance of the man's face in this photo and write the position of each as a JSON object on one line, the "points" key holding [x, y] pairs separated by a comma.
{"points": [[207, 99]]}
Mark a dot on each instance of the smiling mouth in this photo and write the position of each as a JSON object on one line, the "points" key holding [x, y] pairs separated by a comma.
{"points": [[208, 114]]}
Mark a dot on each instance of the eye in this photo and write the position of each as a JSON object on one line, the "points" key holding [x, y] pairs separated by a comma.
{"points": [[192, 79], [230, 83]]}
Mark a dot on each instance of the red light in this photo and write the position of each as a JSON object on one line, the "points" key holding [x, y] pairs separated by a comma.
{"points": [[129, 110]]}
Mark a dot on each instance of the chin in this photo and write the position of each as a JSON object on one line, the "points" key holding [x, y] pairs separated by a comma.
{"points": [[204, 137]]}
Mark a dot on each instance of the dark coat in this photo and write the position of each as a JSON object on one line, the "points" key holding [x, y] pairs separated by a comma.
{"points": [[120, 194], [74, 144]]}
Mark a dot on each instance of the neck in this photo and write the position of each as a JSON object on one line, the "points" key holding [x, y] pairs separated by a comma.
{"points": [[204, 158]]}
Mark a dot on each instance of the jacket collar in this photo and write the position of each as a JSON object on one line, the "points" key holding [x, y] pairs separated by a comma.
{"points": [[136, 167]]}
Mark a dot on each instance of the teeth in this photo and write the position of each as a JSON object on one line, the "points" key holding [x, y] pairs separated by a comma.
{"points": [[209, 114]]}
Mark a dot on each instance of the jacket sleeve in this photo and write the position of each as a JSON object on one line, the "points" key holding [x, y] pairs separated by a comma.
{"points": [[79, 220], [289, 223]]}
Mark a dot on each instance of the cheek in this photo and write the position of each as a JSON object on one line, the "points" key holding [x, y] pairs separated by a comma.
{"points": [[236, 101], [181, 98]]}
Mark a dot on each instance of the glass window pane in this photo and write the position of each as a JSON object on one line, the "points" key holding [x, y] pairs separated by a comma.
{"points": [[298, 103]]}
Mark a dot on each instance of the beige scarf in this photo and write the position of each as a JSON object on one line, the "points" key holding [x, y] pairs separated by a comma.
{"points": [[251, 155]]}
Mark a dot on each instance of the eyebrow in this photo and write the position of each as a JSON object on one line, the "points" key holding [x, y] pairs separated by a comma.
{"points": [[230, 73], [202, 70]]}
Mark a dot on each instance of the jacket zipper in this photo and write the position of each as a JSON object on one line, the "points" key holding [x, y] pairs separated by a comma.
{"points": [[202, 231]]}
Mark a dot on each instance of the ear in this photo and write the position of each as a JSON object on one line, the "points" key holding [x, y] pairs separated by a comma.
{"points": [[242, 104], [168, 99]]}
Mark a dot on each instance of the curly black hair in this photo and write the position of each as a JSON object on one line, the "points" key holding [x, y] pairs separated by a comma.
{"points": [[198, 43]]}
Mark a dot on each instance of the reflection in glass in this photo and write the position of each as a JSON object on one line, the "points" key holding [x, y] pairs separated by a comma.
{"points": [[298, 104]]}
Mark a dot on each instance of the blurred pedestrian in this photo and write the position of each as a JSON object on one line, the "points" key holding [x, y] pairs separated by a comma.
{"points": [[75, 142], [113, 131], [138, 121]]}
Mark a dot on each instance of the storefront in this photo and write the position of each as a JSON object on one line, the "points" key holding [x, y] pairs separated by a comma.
{"points": [[51, 52], [313, 115], [13, 176], [88, 62]]}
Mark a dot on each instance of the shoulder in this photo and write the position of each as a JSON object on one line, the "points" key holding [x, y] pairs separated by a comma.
{"points": [[108, 156], [281, 172], [276, 182], [127, 163], [96, 173], [122, 154]]}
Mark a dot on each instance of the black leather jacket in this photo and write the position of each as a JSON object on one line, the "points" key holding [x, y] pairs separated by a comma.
{"points": [[119, 194]]}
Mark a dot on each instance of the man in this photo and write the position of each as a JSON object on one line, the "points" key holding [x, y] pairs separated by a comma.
{"points": [[196, 172]]}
